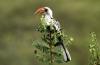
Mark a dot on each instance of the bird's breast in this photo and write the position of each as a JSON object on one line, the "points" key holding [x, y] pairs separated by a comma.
{"points": [[47, 20]]}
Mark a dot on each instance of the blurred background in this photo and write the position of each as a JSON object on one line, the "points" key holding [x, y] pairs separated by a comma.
{"points": [[77, 17]]}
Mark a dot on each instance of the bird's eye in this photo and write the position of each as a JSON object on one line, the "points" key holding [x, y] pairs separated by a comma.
{"points": [[46, 10]]}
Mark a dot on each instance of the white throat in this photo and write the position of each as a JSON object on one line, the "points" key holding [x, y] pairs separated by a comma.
{"points": [[47, 19]]}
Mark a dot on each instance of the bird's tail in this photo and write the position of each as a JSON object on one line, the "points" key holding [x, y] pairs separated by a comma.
{"points": [[65, 52]]}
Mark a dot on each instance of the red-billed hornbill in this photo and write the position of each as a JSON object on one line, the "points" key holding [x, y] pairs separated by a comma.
{"points": [[48, 20]]}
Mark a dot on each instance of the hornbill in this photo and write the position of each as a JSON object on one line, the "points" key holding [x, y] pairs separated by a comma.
{"points": [[48, 20]]}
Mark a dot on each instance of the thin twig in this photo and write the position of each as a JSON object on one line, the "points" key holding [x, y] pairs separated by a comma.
{"points": [[51, 54]]}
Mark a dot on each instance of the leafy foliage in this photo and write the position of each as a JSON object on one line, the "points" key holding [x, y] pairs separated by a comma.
{"points": [[94, 50], [45, 49]]}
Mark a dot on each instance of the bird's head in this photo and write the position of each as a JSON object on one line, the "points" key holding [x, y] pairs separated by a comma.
{"points": [[44, 11]]}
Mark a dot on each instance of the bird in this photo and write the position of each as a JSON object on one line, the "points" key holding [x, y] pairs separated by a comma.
{"points": [[48, 20]]}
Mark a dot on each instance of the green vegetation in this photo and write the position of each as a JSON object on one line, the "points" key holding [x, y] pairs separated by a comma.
{"points": [[45, 49], [94, 50]]}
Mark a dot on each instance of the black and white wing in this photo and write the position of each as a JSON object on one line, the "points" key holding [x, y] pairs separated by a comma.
{"points": [[57, 26]]}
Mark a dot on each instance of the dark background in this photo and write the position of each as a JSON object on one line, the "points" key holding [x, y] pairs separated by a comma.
{"points": [[77, 17]]}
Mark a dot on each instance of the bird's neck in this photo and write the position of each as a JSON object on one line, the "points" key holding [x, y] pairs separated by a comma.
{"points": [[47, 19], [48, 16]]}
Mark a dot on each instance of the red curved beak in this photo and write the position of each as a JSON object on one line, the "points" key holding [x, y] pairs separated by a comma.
{"points": [[40, 11]]}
